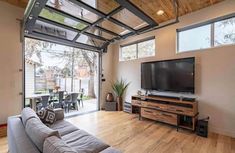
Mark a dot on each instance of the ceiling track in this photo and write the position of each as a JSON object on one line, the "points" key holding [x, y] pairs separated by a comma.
{"points": [[35, 7]]}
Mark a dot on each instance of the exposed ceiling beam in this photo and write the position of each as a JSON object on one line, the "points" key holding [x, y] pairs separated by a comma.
{"points": [[53, 39], [70, 28], [98, 21], [78, 20], [101, 14], [135, 10]]}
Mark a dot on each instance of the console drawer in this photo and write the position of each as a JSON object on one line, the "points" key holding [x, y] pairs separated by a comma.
{"points": [[150, 114], [136, 103], [159, 116], [154, 105], [180, 110]]}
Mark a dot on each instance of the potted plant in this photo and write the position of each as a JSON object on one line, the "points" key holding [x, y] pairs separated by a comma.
{"points": [[119, 88]]}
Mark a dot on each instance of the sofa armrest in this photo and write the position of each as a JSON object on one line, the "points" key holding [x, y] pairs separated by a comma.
{"points": [[59, 114]]}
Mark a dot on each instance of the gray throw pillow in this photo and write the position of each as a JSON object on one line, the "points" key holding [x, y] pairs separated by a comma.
{"points": [[47, 116]]}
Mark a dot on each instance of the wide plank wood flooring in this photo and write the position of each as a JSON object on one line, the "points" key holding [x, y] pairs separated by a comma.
{"points": [[126, 133]]}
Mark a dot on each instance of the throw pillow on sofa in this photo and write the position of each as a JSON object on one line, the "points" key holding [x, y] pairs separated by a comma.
{"points": [[47, 116]]}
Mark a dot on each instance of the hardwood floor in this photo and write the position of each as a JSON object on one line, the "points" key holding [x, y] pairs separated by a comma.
{"points": [[3, 145], [126, 133]]}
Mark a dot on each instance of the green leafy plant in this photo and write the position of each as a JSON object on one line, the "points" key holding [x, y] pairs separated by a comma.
{"points": [[119, 87]]}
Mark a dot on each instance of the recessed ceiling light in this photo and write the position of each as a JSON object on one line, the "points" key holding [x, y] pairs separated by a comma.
{"points": [[160, 12]]}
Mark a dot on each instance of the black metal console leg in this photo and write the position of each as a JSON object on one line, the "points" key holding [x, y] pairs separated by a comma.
{"points": [[140, 114], [177, 123]]}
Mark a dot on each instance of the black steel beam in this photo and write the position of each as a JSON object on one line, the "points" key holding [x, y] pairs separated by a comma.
{"points": [[99, 21], [135, 10], [53, 39], [67, 15], [143, 30], [107, 31], [176, 9], [32, 14], [77, 19], [150, 27], [70, 28], [101, 14]]}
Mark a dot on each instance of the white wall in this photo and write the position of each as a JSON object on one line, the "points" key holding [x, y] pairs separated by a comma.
{"points": [[29, 79], [215, 68], [108, 69], [10, 61]]}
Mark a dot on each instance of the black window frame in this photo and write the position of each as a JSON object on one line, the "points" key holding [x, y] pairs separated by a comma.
{"points": [[212, 32], [137, 50]]}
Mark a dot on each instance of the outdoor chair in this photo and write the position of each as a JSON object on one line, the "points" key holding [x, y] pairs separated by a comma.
{"points": [[72, 101], [44, 101], [60, 102]]}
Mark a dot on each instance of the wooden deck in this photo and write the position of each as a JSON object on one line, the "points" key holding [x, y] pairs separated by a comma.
{"points": [[126, 133]]}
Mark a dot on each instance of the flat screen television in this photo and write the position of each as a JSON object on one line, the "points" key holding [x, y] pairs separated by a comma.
{"points": [[170, 75]]}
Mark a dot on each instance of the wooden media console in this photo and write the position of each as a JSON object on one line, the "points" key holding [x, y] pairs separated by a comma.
{"points": [[180, 113]]}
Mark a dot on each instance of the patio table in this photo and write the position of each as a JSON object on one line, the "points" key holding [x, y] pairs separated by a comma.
{"points": [[33, 98]]}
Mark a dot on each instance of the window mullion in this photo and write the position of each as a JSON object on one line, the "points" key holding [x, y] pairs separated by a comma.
{"points": [[212, 34]]}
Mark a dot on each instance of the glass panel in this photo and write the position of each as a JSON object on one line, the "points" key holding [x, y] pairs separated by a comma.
{"points": [[113, 27], [146, 48], [54, 30], [225, 32], [128, 52], [100, 33], [195, 39], [73, 9], [61, 19], [50, 67], [90, 41], [130, 19], [105, 6]]}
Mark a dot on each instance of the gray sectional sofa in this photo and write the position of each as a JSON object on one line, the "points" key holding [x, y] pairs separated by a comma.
{"points": [[27, 134]]}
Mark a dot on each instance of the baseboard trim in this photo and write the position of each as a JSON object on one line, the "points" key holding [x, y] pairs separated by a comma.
{"points": [[222, 131], [3, 130]]}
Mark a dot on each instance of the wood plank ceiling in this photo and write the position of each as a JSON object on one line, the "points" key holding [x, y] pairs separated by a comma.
{"points": [[19, 3], [150, 7]]}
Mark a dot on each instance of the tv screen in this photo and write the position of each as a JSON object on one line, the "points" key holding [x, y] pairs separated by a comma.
{"points": [[170, 75]]}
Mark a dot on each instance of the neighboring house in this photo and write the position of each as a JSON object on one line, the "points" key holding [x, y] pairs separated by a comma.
{"points": [[30, 68]]}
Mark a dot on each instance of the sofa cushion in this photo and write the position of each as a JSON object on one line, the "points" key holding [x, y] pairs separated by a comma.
{"points": [[55, 145], [83, 142], [38, 132], [64, 127], [47, 116], [28, 113]]}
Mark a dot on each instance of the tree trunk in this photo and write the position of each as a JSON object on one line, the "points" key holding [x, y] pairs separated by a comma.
{"points": [[65, 84], [91, 86]]}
